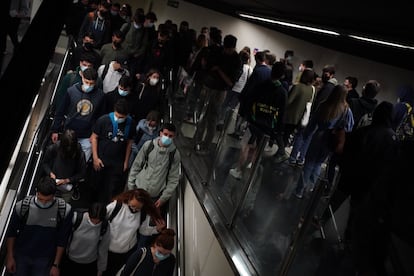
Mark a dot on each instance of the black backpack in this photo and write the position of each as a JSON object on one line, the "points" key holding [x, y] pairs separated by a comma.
{"points": [[262, 111]]}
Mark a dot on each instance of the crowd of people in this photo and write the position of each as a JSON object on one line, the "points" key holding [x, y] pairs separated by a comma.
{"points": [[107, 111], [108, 132]]}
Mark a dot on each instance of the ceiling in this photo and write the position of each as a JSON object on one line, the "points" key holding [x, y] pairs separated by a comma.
{"points": [[389, 22]]}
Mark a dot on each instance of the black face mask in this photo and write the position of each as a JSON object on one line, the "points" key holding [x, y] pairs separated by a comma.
{"points": [[117, 44], [325, 78], [88, 46], [120, 70], [104, 14]]}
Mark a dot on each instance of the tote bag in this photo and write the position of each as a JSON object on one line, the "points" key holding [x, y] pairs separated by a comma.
{"points": [[144, 252], [305, 119]]}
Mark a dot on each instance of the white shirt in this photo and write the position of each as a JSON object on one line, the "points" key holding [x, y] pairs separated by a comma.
{"points": [[112, 77]]}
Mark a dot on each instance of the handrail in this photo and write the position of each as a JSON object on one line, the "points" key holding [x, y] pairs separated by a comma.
{"points": [[71, 45], [30, 163], [247, 188]]}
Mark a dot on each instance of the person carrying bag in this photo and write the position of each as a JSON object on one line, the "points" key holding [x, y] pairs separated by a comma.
{"points": [[120, 272]]}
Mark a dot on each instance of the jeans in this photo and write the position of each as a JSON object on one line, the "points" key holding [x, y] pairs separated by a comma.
{"points": [[300, 147], [33, 266], [318, 152]]}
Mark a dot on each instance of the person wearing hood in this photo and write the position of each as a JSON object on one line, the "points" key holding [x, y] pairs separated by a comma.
{"points": [[147, 129], [150, 95], [82, 104], [366, 103], [99, 24]]}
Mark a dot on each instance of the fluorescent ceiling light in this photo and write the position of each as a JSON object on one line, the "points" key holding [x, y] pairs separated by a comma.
{"points": [[288, 24], [382, 42]]}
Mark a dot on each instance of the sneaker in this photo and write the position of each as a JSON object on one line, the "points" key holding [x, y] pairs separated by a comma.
{"points": [[292, 163], [75, 194], [281, 158], [249, 166], [298, 196], [268, 148], [236, 173], [300, 163]]}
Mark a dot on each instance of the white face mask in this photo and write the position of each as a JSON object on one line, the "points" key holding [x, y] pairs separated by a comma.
{"points": [[136, 26], [153, 81]]}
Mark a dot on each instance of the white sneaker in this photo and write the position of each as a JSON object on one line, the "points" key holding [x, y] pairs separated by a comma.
{"points": [[249, 166], [236, 173]]}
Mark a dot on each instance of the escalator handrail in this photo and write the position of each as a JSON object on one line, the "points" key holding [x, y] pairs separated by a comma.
{"points": [[32, 163]]}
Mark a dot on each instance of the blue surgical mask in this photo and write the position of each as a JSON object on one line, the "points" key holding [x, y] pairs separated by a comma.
{"points": [[87, 88], [43, 205], [119, 120], [122, 93], [160, 256], [165, 140], [83, 68]]}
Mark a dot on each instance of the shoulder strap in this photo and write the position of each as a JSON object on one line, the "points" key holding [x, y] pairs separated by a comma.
{"points": [[104, 228], [171, 160], [143, 216], [147, 152], [77, 219], [105, 70], [115, 125], [143, 254], [142, 90], [61, 210], [24, 210], [313, 93], [115, 211]]}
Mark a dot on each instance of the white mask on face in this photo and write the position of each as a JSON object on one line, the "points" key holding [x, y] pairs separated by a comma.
{"points": [[153, 81]]}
